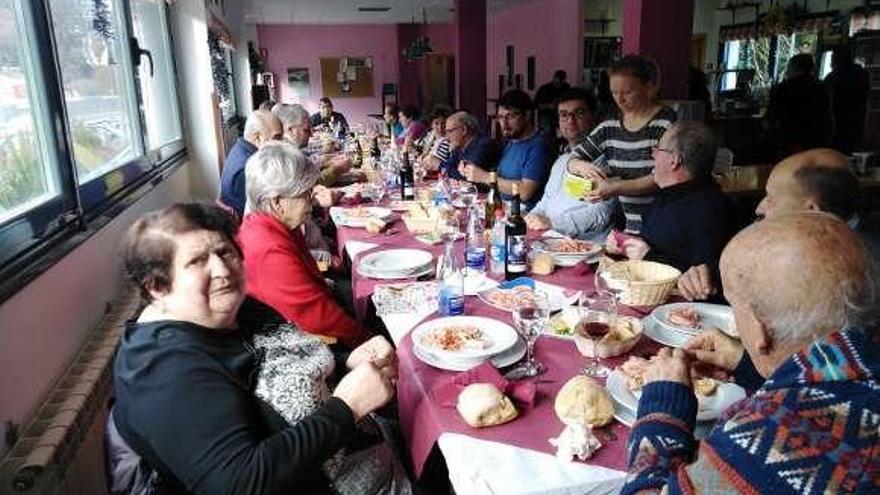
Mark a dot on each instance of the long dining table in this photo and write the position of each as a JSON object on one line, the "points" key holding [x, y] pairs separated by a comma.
{"points": [[514, 458]]}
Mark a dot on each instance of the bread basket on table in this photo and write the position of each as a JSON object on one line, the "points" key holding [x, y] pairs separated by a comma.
{"points": [[642, 283]]}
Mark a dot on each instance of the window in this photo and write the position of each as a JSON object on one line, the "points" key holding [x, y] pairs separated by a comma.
{"points": [[749, 57], [156, 74], [28, 173], [82, 120]]}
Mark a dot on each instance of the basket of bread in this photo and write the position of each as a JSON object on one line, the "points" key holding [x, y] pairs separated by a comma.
{"points": [[623, 336], [642, 283]]}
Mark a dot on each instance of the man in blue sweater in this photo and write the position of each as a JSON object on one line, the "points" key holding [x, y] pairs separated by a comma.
{"points": [[803, 298], [260, 128]]}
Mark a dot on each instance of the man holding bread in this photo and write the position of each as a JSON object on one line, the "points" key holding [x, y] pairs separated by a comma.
{"points": [[803, 298]]}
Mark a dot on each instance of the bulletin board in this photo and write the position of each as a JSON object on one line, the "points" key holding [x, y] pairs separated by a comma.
{"points": [[359, 78]]}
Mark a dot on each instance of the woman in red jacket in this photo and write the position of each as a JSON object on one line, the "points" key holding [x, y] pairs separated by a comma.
{"points": [[280, 270]]}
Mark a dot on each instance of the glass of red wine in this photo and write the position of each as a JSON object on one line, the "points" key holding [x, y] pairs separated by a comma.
{"points": [[597, 316]]}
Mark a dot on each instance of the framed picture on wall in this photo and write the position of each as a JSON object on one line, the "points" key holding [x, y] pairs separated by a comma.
{"points": [[298, 80]]}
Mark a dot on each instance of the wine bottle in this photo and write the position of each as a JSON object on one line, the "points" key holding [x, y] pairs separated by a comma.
{"points": [[375, 153], [407, 180], [515, 233], [358, 153], [493, 200]]}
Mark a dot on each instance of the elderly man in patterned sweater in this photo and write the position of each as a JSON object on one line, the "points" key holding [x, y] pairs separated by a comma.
{"points": [[802, 295]]}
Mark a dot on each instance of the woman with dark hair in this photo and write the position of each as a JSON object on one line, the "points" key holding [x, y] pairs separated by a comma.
{"points": [[413, 128], [622, 145], [187, 398]]}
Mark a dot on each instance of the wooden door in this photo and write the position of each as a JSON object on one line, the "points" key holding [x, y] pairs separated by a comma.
{"points": [[438, 81]]}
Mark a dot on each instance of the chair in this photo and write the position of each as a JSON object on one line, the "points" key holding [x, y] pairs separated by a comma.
{"points": [[723, 161]]}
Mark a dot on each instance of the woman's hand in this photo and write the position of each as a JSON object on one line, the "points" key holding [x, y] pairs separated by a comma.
{"points": [[602, 190], [669, 366], [364, 390], [714, 348], [377, 351], [586, 169]]}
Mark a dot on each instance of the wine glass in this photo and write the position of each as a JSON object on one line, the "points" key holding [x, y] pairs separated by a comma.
{"points": [[531, 313], [597, 316], [602, 286]]}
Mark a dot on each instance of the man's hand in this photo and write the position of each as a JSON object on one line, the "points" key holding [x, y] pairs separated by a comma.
{"points": [[586, 169], [378, 351], [635, 248], [364, 390], [669, 366], [696, 283], [472, 172], [714, 348], [341, 164], [536, 221]]}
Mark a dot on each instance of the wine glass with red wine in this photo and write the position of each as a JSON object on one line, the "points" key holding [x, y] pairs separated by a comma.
{"points": [[598, 315]]}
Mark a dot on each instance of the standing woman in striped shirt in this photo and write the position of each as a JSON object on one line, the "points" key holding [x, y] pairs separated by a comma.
{"points": [[617, 155]]}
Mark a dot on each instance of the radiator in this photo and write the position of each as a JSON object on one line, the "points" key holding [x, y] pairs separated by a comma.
{"points": [[61, 450]]}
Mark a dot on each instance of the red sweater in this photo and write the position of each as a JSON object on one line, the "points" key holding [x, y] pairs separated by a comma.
{"points": [[280, 272]]}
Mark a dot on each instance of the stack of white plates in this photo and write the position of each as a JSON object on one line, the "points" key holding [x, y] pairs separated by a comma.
{"points": [[396, 263], [501, 344], [658, 327], [626, 403], [551, 246]]}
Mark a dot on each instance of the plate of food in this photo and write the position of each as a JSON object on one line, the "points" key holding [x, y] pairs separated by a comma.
{"points": [[464, 338], [691, 318], [400, 205], [504, 298], [566, 251], [359, 216], [713, 396]]}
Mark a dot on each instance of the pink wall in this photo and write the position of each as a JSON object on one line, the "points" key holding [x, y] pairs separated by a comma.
{"points": [[549, 30], [302, 45]]}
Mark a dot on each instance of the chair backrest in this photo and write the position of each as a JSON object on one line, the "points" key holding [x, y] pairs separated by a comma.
{"points": [[723, 161]]}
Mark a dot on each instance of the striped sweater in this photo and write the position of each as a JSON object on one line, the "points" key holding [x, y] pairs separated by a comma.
{"points": [[627, 155], [812, 428]]}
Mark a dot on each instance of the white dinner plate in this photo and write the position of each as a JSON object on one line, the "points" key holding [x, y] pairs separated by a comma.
{"points": [[428, 270], [710, 406], [546, 245], [513, 355], [556, 296], [663, 335], [341, 217], [499, 337], [396, 263], [711, 315]]}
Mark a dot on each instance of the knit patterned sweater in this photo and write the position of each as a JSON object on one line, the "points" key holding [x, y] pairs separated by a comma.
{"points": [[813, 427]]}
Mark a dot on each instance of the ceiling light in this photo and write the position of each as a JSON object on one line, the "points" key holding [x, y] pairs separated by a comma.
{"points": [[373, 9]]}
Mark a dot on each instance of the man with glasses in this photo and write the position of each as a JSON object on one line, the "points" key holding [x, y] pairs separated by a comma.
{"points": [[298, 130], [557, 209], [690, 220], [526, 157], [260, 128], [467, 145]]}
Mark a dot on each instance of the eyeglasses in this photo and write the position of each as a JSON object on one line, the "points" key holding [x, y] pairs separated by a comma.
{"points": [[657, 148], [454, 129], [577, 113]]}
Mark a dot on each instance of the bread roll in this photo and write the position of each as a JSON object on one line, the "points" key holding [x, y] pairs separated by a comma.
{"points": [[581, 400], [542, 264], [374, 225], [481, 405]]}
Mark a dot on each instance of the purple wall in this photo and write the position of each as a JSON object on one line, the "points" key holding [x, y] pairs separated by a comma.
{"points": [[549, 30], [302, 45], [661, 30]]}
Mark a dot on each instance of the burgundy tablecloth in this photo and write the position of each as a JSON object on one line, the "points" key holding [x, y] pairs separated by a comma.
{"points": [[423, 419]]}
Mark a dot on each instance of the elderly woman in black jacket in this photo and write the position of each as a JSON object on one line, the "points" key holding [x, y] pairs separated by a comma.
{"points": [[185, 373]]}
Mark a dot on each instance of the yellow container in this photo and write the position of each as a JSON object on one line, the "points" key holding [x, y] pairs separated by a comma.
{"points": [[575, 186]]}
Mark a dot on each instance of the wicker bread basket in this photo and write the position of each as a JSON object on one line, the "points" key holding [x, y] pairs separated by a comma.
{"points": [[643, 283], [424, 225], [608, 347]]}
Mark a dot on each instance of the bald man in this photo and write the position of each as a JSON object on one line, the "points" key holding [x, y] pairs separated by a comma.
{"points": [[260, 128], [802, 308], [814, 180]]}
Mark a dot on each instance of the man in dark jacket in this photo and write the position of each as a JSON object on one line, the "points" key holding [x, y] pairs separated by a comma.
{"points": [[260, 128], [799, 113]]}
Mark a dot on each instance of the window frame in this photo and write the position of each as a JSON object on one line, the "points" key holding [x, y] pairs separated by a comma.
{"points": [[35, 239]]}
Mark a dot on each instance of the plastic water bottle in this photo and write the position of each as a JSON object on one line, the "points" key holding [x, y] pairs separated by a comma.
{"points": [[475, 252], [450, 283], [498, 245], [443, 193]]}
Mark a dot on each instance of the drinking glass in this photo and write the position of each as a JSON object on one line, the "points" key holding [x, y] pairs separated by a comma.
{"points": [[377, 189], [602, 286], [468, 194], [597, 315], [531, 313]]}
